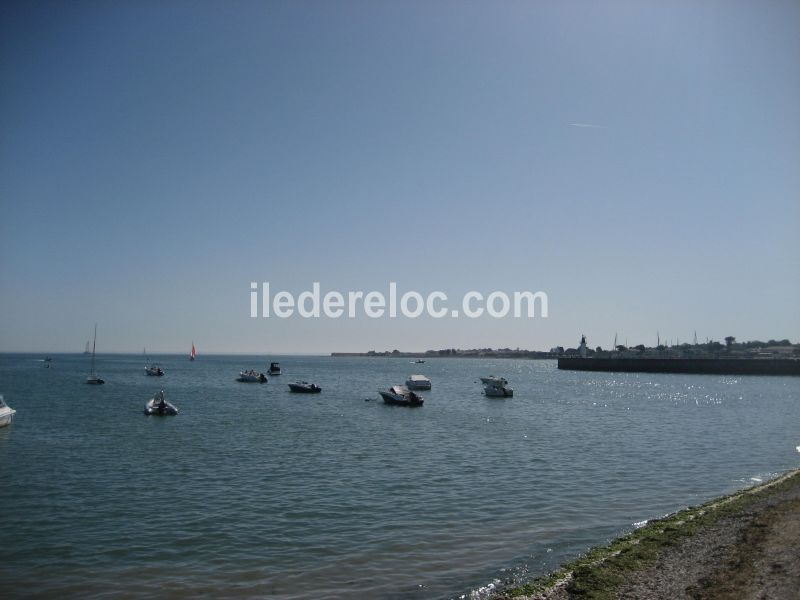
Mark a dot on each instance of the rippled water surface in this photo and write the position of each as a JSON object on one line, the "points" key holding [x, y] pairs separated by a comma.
{"points": [[253, 491]]}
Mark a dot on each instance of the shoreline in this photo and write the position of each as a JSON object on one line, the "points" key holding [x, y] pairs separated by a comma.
{"points": [[744, 544]]}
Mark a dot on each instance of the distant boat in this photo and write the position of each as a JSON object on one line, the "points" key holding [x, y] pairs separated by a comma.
{"points": [[153, 370], [193, 353], [418, 382], [47, 359], [303, 387], [251, 377], [87, 351], [419, 361], [158, 406], [94, 378], [274, 369], [6, 413], [400, 395]]}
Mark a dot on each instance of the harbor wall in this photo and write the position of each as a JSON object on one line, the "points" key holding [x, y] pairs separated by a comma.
{"points": [[718, 366]]}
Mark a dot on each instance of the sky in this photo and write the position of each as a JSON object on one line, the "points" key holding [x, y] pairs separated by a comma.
{"points": [[636, 161]]}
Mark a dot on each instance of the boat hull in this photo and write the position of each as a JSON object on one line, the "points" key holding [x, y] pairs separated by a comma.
{"points": [[95, 380], [304, 389], [399, 400], [498, 392], [156, 409], [418, 385], [7, 417], [247, 378]]}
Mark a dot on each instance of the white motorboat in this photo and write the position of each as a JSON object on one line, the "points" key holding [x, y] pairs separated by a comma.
{"points": [[274, 369], [418, 382], [400, 395], [251, 377], [158, 406], [6, 413]]}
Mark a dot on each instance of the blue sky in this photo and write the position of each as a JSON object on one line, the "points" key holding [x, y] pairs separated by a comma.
{"points": [[155, 158]]}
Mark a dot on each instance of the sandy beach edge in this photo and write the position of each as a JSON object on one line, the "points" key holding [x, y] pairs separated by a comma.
{"points": [[747, 540]]}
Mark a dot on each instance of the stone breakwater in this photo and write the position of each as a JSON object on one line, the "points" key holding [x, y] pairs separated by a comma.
{"points": [[708, 366]]}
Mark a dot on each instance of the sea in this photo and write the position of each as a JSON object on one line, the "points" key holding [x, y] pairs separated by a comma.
{"points": [[254, 492]]}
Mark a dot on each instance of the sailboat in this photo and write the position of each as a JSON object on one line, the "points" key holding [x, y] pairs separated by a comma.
{"points": [[193, 354], [94, 378], [87, 351]]}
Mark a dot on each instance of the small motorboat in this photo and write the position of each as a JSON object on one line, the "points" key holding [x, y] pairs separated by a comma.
{"points": [[6, 413], [303, 387], [158, 406], [400, 395], [497, 390], [274, 369], [47, 359], [418, 382], [492, 380], [419, 361], [251, 377], [154, 371]]}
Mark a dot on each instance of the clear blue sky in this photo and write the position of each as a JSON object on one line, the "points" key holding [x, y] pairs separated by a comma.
{"points": [[156, 157]]}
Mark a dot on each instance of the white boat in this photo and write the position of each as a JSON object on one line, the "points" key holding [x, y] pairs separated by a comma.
{"points": [[251, 377], [400, 395], [418, 382], [6, 413], [274, 369], [492, 380], [158, 406], [94, 378], [87, 352], [494, 390]]}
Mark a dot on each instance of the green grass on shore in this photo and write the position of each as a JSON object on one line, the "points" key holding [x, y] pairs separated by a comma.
{"points": [[601, 571]]}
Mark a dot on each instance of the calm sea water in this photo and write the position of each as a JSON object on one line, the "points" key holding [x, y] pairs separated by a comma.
{"points": [[253, 491]]}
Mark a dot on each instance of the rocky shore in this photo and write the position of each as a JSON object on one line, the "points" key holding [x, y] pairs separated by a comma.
{"points": [[746, 545]]}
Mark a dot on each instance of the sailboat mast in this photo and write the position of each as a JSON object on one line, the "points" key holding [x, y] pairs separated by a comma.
{"points": [[94, 343]]}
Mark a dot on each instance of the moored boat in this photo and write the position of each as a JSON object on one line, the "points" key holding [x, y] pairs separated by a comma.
{"points": [[251, 377], [303, 387], [274, 369], [400, 395], [94, 378], [158, 406], [153, 370], [492, 380], [6, 413], [418, 382]]}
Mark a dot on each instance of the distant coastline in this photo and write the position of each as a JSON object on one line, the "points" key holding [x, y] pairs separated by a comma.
{"points": [[730, 350]]}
